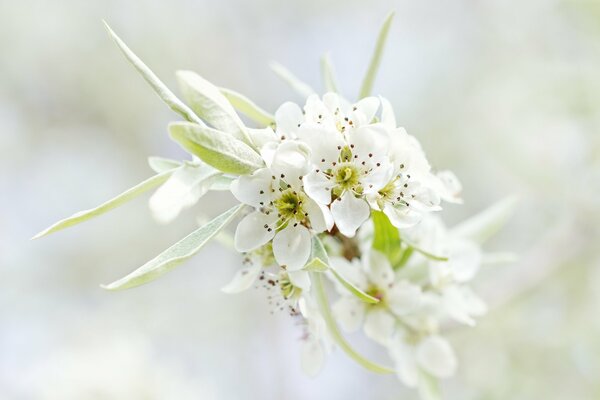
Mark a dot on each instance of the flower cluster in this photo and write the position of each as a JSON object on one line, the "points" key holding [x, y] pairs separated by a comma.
{"points": [[333, 191]]}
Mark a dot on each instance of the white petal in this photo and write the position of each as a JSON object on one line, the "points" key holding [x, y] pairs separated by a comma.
{"points": [[464, 260], [365, 110], [404, 357], [378, 269], [450, 187], [462, 304], [323, 142], [401, 216], [292, 246], [260, 137], [290, 162], [351, 271], [404, 298], [312, 357], [349, 312], [253, 189], [435, 356], [378, 177], [180, 191], [349, 213], [243, 279], [370, 142], [318, 187], [319, 216], [387, 114], [300, 279], [379, 325], [251, 232], [287, 118]]}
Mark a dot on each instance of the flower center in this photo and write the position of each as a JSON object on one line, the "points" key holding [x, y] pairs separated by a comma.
{"points": [[376, 292], [347, 176], [288, 289], [289, 205]]}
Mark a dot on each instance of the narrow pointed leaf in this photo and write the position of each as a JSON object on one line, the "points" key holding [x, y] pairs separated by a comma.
{"points": [[488, 222], [320, 258], [160, 164], [296, 84], [328, 74], [124, 197], [176, 254], [353, 289], [334, 331], [211, 105], [248, 107], [221, 151], [369, 79], [222, 183], [425, 253], [160, 88], [386, 238]]}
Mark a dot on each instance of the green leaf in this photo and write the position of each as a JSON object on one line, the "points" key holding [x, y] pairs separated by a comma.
{"points": [[386, 238], [211, 105], [160, 164], [176, 254], [248, 107], [300, 87], [321, 260], [318, 259], [221, 151], [488, 222], [425, 253], [160, 88], [367, 85], [334, 331], [328, 74], [124, 197], [353, 289]]}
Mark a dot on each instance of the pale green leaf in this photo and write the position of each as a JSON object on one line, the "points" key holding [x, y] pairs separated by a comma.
{"points": [[353, 289], [328, 74], [160, 88], [211, 105], [221, 151], [320, 261], [334, 331], [296, 84], [488, 222], [424, 252], [318, 258], [248, 107], [176, 254], [160, 164], [124, 197], [386, 238], [369, 79]]}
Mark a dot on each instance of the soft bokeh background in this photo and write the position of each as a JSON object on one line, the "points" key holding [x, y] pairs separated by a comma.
{"points": [[505, 93]]}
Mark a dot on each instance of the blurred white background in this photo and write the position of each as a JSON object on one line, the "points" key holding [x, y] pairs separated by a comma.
{"points": [[505, 93]]}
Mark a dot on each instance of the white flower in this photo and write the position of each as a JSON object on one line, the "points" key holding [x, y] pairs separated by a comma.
{"points": [[411, 190], [283, 212], [317, 343], [413, 355], [374, 276], [348, 153], [448, 278]]}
